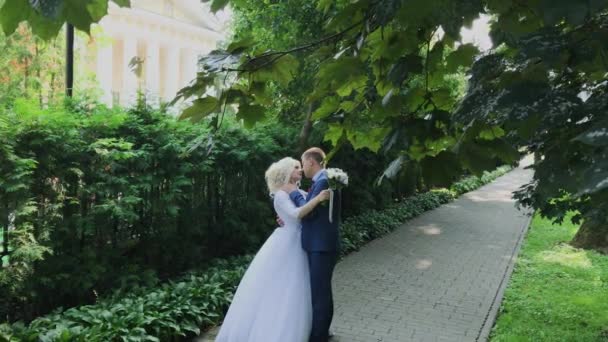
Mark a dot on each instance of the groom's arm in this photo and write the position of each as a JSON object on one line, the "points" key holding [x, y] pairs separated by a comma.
{"points": [[297, 198]]}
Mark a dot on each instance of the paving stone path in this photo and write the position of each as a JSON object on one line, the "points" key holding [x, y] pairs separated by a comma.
{"points": [[439, 277]]}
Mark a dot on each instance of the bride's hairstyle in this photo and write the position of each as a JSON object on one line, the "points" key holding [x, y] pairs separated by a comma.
{"points": [[279, 173]]}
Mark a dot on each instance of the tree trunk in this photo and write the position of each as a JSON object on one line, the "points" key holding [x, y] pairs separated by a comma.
{"points": [[26, 74], [52, 87], [38, 75], [306, 129], [593, 234]]}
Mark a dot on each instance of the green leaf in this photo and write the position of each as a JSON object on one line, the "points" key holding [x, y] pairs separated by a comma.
{"points": [[388, 44], [370, 138], [414, 98], [328, 107], [76, 13], [200, 108], [499, 6], [334, 133], [526, 128], [43, 27], [350, 14], [238, 46], [511, 26], [491, 133], [235, 95], [349, 106], [324, 6], [435, 58], [49, 8], [217, 5], [97, 9], [217, 60], [260, 92], [442, 169], [283, 70], [12, 13], [475, 157], [136, 65], [393, 103], [357, 81], [502, 150], [436, 146], [393, 169], [463, 56], [594, 177], [443, 99], [595, 136], [197, 88], [123, 3], [417, 151], [404, 66], [555, 10], [250, 114], [342, 76]]}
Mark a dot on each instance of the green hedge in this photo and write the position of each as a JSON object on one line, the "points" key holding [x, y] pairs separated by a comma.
{"points": [[357, 230], [176, 310], [169, 312], [106, 198], [473, 182]]}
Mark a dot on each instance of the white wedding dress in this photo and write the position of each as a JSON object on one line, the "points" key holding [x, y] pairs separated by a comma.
{"points": [[272, 302]]}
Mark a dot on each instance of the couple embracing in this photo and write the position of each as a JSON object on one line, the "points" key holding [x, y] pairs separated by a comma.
{"points": [[285, 294]]}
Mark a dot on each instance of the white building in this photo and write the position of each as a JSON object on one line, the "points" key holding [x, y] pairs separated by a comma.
{"points": [[167, 36]]}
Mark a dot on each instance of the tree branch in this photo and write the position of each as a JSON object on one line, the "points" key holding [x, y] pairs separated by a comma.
{"points": [[275, 55]]}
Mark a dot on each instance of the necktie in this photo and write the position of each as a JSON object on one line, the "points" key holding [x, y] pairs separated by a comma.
{"points": [[311, 185]]}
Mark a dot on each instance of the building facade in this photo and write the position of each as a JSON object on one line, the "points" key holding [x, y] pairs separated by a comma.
{"points": [[153, 46]]}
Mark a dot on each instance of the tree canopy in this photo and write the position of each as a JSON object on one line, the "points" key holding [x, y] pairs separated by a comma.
{"points": [[381, 74], [381, 84]]}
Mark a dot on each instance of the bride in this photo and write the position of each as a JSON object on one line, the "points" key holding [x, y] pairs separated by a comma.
{"points": [[272, 302]]}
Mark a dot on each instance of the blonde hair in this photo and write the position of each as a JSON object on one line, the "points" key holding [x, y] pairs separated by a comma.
{"points": [[279, 173]]}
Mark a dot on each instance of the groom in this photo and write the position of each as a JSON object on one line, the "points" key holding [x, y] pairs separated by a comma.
{"points": [[320, 239]]}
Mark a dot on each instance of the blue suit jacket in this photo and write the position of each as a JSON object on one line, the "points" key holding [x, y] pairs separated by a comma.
{"points": [[318, 234]]}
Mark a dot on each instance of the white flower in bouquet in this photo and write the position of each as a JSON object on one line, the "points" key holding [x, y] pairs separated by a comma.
{"points": [[337, 178]]}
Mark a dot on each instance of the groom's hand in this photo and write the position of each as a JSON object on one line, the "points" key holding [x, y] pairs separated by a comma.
{"points": [[280, 222], [324, 195]]}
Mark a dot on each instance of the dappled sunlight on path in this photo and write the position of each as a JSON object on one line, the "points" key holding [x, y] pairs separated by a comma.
{"points": [[439, 277]]}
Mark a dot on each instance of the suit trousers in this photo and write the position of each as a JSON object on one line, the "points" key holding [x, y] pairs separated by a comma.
{"points": [[321, 265]]}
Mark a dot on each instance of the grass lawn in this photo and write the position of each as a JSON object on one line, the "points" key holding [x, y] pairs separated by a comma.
{"points": [[557, 292]]}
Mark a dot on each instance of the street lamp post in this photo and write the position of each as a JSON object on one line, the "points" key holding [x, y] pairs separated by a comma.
{"points": [[69, 63]]}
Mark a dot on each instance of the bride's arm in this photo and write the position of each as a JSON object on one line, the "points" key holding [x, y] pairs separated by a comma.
{"points": [[291, 209], [308, 207]]}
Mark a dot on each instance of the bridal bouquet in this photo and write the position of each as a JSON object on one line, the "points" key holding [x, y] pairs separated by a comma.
{"points": [[337, 179]]}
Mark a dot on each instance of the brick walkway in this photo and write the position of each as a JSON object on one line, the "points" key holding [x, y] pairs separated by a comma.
{"points": [[440, 277]]}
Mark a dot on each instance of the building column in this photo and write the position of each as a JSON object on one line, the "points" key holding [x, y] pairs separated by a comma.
{"points": [[129, 87], [104, 72], [189, 66], [152, 67], [173, 72]]}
